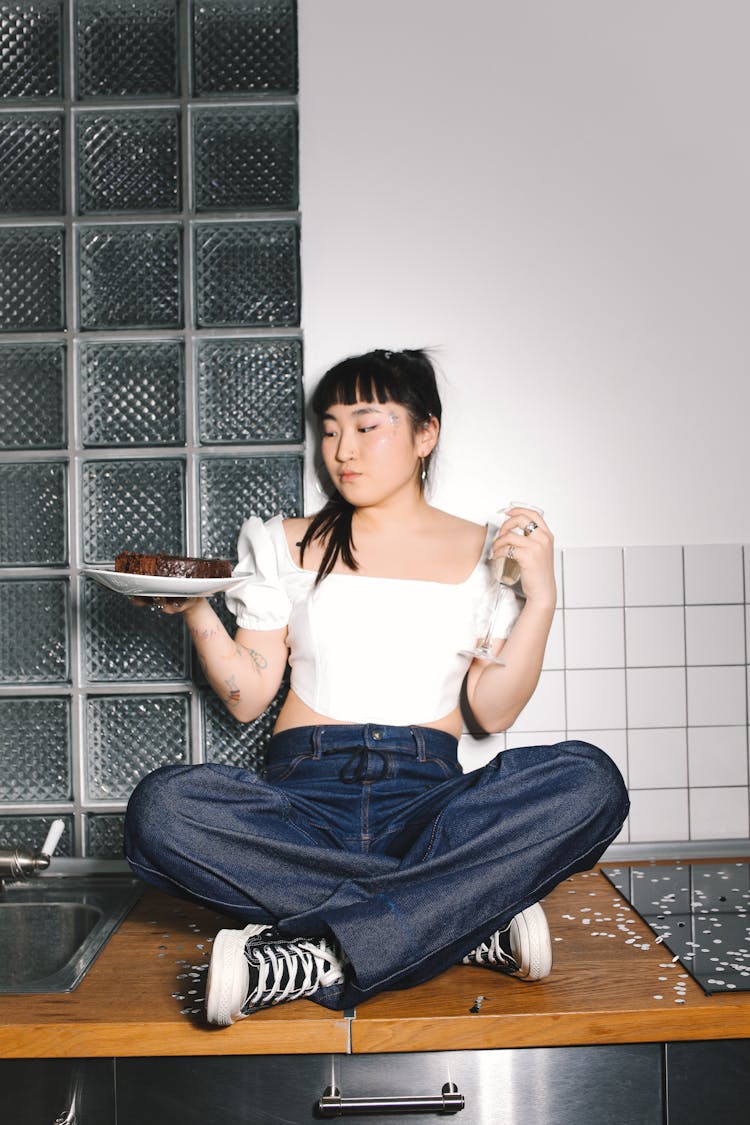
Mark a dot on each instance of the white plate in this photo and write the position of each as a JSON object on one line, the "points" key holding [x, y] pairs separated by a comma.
{"points": [[159, 586]]}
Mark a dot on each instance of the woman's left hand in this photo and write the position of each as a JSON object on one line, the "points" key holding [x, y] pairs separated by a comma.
{"points": [[533, 550]]}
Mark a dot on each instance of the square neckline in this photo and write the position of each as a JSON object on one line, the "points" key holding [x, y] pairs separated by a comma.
{"points": [[489, 535]]}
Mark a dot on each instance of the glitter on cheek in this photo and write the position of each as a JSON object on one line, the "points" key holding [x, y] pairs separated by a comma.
{"points": [[385, 437]]}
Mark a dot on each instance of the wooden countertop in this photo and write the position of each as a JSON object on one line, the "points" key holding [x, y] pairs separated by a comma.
{"points": [[611, 983]]}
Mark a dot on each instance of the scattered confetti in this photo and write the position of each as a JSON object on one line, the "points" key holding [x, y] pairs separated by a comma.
{"points": [[683, 902]]}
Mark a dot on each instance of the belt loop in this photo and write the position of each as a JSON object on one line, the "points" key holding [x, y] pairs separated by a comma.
{"points": [[419, 740], [317, 742]]}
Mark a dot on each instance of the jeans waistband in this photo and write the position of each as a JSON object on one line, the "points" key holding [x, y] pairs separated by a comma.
{"points": [[421, 742]]}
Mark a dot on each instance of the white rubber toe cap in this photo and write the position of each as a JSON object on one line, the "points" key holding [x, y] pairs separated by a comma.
{"points": [[531, 944], [229, 976]]}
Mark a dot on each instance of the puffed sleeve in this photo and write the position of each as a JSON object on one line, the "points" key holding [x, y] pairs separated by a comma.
{"points": [[261, 602]]}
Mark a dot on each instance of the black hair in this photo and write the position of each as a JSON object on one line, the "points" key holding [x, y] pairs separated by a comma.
{"points": [[406, 378]]}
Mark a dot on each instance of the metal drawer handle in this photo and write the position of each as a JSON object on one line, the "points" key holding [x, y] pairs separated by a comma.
{"points": [[333, 1105], [69, 1116]]}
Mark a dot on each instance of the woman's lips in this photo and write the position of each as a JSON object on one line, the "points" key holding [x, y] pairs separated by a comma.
{"points": [[346, 478]]}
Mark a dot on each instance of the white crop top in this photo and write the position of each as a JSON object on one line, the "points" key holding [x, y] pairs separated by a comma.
{"points": [[363, 649]]}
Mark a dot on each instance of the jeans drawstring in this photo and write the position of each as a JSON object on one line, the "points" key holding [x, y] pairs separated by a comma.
{"points": [[354, 769]]}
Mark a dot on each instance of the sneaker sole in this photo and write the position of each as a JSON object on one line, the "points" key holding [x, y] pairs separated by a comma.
{"points": [[535, 945], [229, 976]]}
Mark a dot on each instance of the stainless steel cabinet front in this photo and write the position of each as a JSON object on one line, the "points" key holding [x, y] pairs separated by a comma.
{"points": [[57, 1092], [611, 1085]]}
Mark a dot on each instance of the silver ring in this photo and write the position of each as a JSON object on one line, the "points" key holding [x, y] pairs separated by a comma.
{"points": [[531, 526], [511, 551]]}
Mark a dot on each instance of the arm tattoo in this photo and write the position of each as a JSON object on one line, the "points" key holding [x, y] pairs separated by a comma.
{"points": [[233, 694], [257, 658], [204, 634]]}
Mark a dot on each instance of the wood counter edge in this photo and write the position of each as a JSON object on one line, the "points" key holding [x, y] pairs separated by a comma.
{"points": [[571, 1029], [348, 1035], [128, 1040]]}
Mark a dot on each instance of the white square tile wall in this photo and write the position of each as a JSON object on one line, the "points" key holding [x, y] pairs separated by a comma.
{"points": [[594, 638], [717, 756], [718, 813], [596, 698], [592, 576], [654, 576], [648, 659], [658, 759], [717, 696], [715, 634], [655, 636], [533, 738], [714, 574], [656, 697], [659, 815]]}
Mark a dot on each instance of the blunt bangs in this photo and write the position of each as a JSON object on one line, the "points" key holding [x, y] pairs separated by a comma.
{"points": [[357, 380], [405, 378]]}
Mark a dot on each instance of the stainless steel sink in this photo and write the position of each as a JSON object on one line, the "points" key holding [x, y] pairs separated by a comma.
{"points": [[52, 928]]}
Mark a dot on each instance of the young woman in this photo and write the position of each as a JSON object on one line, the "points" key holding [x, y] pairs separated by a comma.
{"points": [[363, 858]]}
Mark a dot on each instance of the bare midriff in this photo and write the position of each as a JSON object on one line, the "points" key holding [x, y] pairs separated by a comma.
{"points": [[295, 713]]}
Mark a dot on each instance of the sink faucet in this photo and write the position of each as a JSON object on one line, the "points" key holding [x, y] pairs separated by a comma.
{"points": [[17, 863]]}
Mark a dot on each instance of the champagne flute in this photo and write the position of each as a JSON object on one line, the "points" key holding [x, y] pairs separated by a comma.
{"points": [[506, 572]]}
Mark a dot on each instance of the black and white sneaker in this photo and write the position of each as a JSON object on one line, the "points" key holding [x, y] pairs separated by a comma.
{"points": [[256, 968], [522, 948]]}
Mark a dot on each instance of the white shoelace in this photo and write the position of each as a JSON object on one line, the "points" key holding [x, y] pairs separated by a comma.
{"points": [[319, 968], [491, 953]]}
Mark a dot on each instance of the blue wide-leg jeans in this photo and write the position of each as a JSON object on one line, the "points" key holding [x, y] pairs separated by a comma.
{"points": [[375, 835]]}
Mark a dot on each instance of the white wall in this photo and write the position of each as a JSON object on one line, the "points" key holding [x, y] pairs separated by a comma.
{"points": [[555, 196]]}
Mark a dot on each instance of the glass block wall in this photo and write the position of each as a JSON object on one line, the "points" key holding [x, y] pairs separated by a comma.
{"points": [[150, 374]]}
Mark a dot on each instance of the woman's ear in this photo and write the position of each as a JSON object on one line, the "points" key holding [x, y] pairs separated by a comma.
{"points": [[427, 436]]}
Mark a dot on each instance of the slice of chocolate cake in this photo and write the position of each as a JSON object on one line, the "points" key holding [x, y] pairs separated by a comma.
{"points": [[172, 566]]}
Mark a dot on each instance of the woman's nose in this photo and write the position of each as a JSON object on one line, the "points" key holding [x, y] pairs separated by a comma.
{"points": [[345, 450]]}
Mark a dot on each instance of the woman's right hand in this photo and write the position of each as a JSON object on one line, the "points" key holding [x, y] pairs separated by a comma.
{"points": [[168, 605], [177, 605]]}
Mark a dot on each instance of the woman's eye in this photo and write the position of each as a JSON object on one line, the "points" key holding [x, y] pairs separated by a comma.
{"points": [[366, 429]]}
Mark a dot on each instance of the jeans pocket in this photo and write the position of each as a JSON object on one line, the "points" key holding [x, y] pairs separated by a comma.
{"points": [[278, 772], [445, 768]]}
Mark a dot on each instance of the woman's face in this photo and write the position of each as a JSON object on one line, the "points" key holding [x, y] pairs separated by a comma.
{"points": [[371, 451]]}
